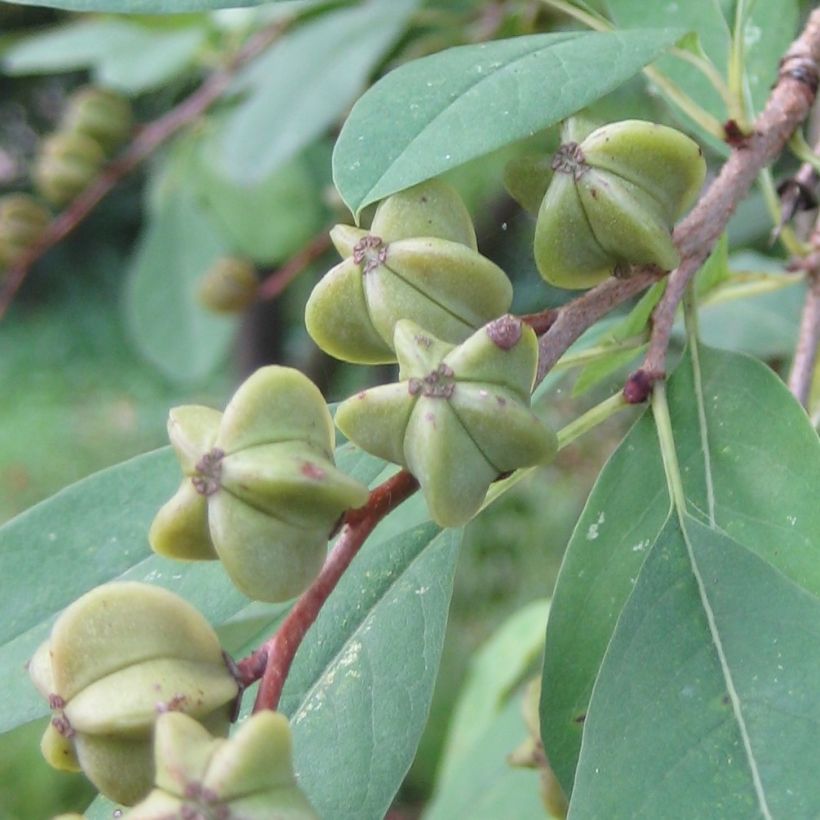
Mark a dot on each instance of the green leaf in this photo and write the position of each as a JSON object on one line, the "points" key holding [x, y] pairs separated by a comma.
{"points": [[495, 670], [483, 785], [707, 695], [147, 6], [704, 17], [767, 34], [93, 532], [437, 112], [128, 57], [268, 220], [748, 466], [302, 84], [170, 328], [715, 269], [595, 372], [360, 688]]}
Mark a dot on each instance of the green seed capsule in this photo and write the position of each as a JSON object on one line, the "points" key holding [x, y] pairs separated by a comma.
{"points": [[459, 418], [229, 285], [249, 776], [22, 222], [613, 201], [99, 113], [116, 658], [66, 164], [418, 262], [261, 491]]}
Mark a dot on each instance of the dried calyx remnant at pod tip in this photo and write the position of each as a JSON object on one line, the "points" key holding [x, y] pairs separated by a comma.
{"points": [[261, 492], [116, 658], [418, 261], [458, 418], [612, 196], [249, 777]]}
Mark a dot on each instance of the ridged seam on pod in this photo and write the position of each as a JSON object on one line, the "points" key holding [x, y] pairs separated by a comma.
{"points": [[116, 658], [459, 417], [261, 491], [418, 261], [613, 201], [250, 776], [65, 164], [22, 222]]}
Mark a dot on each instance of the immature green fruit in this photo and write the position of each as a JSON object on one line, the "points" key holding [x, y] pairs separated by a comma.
{"points": [[229, 285], [459, 417], [418, 261], [22, 222], [248, 777], [115, 659], [613, 201], [66, 163], [99, 113], [261, 491]]}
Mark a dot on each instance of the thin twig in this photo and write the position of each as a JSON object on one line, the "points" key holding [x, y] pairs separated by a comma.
{"points": [[788, 105], [272, 661], [147, 140], [277, 281]]}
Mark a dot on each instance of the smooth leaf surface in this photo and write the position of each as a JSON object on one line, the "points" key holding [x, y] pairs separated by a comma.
{"points": [[169, 326], [146, 6], [495, 670], [126, 56], [748, 457], [268, 220], [702, 16], [720, 649], [359, 691], [437, 112], [483, 786], [93, 532], [302, 84], [768, 32]]}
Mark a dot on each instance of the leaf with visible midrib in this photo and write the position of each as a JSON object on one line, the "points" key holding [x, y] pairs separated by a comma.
{"points": [[706, 703], [748, 458], [437, 112]]}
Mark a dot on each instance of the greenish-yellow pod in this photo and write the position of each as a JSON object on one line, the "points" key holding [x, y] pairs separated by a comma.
{"points": [[116, 658], [66, 163], [248, 777], [418, 261], [458, 418], [613, 200], [261, 492], [99, 113], [229, 285], [22, 222]]}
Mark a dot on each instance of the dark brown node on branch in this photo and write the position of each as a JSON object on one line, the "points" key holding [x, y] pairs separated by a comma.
{"points": [[801, 69], [505, 331], [370, 252], [570, 159], [638, 386], [206, 480], [795, 195], [734, 135]]}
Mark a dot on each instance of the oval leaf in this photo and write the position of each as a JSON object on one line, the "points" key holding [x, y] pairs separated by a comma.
{"points": [[437, 112]]}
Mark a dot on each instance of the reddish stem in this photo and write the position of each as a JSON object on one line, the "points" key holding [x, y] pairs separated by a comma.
{"points": [[277, 281], [147, 140], [272, 661]]}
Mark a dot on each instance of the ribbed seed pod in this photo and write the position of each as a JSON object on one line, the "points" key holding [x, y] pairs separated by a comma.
{"points": [[459, 417], [65, 164], [261, 491], [248, 777], [229, 285], [99, 113], [418, 261], [117, 657], [22, 222], [613, 201]]}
